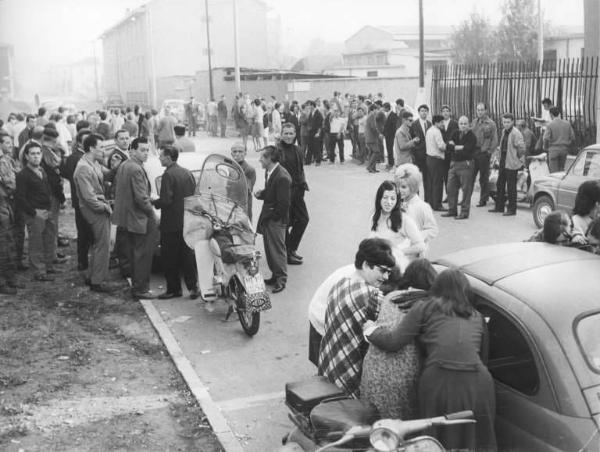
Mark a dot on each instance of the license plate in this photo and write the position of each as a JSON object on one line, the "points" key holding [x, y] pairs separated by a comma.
{"points": [[254, 284]]}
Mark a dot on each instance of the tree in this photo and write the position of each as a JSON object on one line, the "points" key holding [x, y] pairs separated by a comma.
{"points": [[517, 34], [473, 40]]}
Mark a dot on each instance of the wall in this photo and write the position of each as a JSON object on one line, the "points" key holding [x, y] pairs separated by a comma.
{"points": [[302, 90], [565, 48]]}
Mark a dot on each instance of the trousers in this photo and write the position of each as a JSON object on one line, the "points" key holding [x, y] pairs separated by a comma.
{"points": [[42, 242], [482, 166], [141, 250], [557, 159], [275, 251], [85, 238], [100, 247], [177, 260], [435, 181], [460, 176], [298, 219]]}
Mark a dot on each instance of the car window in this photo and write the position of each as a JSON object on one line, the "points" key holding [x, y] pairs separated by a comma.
{"points": [[587, 335], [588, 165], [510, 357]]}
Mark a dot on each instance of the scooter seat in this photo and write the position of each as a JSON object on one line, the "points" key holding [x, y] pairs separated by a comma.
{"points": [[302, 396], [340, 415]]}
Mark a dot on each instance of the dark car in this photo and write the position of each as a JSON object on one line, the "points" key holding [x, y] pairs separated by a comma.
{"points": [[541, 303], [557, 191]]}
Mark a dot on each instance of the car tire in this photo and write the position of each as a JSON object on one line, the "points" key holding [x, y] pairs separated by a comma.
{"points": [[542, 206]]}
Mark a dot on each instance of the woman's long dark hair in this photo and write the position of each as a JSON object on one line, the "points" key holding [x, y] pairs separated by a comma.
{"points": [[395, 214], [452, 293], [588, 194]]}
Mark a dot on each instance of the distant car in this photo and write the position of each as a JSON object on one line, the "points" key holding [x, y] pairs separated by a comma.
{"points": [[174, 105], [557, 190], [540, 302]]}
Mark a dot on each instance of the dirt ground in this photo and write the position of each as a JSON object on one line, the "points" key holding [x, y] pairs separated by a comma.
{"points": [[81, 371]]}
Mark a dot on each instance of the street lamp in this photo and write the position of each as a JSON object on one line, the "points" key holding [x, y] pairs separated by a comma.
{"points": [[210, 79]]}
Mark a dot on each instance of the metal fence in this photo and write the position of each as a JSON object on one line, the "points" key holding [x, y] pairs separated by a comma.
{"points": [[519, 87]]}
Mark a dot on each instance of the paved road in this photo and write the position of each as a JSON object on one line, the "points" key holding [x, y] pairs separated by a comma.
{"points": [[246, 377]]}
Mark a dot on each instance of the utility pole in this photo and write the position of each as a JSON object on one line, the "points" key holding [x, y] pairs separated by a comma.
{"points": [[208, 51], [421, 48], [236, 50], [540, 35]]}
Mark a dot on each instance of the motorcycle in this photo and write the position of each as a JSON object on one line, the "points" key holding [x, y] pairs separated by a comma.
{"points": [[325, 418], [217, 228], [537, 167]]}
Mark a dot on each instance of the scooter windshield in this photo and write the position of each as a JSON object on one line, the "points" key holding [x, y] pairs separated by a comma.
{"points": [[223, 177]]}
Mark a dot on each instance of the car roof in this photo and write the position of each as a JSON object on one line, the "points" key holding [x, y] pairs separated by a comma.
{"points": [[559, 283]]}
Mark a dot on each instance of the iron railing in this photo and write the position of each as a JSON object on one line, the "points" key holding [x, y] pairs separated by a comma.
{"points": [[519, 87]]}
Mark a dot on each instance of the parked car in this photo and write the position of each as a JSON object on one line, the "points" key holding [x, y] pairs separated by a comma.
{"points": [[540, 302], [176, 106], [557, 190]]}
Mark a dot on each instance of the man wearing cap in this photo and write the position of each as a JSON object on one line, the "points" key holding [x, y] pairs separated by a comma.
{"points": [[183, 143], [238, 153]]}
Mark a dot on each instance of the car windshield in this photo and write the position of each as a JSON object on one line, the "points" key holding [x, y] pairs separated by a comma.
{"points": [[587, 334]]}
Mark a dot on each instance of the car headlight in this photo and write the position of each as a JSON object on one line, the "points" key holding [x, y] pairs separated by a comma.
{"points": [[383, 439]]}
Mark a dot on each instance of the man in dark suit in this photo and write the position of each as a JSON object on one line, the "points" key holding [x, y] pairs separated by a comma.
{"points": [[449, 127], [176, 257], [291, 160], [389, 132], [418, 130], [315, 137], [133, 211], [274, 216]]}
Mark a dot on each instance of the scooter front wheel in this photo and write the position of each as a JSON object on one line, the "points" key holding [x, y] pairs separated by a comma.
{"points": [[250, 321]]}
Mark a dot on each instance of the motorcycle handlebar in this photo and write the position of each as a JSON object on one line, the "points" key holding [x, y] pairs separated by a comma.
{"points": [[467, 414]]}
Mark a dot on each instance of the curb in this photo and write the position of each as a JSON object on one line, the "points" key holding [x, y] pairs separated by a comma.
{"points": [[212, 412]]}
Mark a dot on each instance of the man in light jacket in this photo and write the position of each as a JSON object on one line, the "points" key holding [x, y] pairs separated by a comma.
{"points": [[404, 144], [95, 209], [512, 150]]}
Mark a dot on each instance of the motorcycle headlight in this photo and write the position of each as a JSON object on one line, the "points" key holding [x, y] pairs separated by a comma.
{"points": [[384, 439]]}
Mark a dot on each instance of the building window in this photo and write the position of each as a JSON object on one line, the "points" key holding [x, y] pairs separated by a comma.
{"points": [[510, 357], [372, 73]]}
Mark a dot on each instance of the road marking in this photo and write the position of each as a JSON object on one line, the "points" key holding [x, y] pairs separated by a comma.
{"points": [[213, 413], [249, 402]]}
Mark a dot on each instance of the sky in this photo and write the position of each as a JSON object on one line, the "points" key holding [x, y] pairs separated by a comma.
{"points": [[45, 32]]}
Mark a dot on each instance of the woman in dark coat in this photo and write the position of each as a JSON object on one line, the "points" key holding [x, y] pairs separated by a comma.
{"points": [[455, 378]]}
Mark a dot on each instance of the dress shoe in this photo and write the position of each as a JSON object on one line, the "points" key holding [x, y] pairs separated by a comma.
{"points": [[6, 290], [291, 260], [271, 281], [481, 204], [88, 282], [169, 295], [102, 288], [43, 278], [296, 255], [62, 242], [509, 213], [59, 260], [148, 295], [495, 210], [194, 293], [462, 216], [449, 214], [60, 255], [53, 271], [278, 287], [440, 209]]}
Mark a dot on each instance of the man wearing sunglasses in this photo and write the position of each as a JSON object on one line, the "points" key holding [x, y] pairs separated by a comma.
{"points": [[351, 301]]}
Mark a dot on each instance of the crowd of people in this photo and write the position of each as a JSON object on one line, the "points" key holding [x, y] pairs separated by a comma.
{"points": [[96, 154]]}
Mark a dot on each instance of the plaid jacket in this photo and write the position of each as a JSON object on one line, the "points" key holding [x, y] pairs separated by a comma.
{"points": [[350, 304]]}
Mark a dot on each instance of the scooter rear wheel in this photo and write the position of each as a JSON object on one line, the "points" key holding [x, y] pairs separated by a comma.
{"points": [[250, 321]]}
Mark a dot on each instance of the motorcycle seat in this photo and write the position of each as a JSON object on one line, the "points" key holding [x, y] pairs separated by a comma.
{"points": [[340, 415], [302, 396]]}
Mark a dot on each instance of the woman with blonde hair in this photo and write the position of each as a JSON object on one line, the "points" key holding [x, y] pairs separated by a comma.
{"points": [[409, 181]]}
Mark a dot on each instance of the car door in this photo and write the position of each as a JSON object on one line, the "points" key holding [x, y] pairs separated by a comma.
{"points": [[526, 412], [585, 167]]}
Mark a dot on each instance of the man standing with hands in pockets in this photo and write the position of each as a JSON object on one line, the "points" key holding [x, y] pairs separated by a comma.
{"points": [[274, 216]]}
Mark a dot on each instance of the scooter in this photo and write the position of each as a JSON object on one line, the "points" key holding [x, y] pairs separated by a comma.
{"points": [[537, 167], [217, 227], [326, 419]]}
